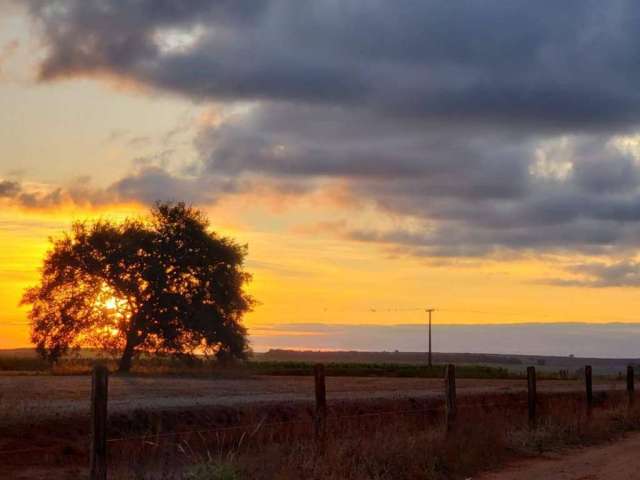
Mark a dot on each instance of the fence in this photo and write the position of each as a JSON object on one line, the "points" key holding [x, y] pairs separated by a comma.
{"points": [[99, 440]]}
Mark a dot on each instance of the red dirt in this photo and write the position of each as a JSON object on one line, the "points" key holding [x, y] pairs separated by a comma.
{"points": [[615, 461]]}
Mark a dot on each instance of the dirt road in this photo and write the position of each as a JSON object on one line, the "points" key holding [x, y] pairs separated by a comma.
{"points": [[616, 461], [39, 397]]}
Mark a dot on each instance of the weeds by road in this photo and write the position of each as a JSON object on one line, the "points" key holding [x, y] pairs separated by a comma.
{"points": [[412, 448], [387, 442]]}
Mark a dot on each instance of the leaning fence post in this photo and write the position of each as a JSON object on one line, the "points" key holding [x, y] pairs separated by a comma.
{"points": [[451, 409], [589, 387], [321, 404], [99, 393], [532, 394], [630, 385]]}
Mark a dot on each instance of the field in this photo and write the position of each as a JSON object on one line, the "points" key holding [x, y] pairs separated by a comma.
{"points": [[46, 397], [339, 363], [515, 364], [195, 421]]}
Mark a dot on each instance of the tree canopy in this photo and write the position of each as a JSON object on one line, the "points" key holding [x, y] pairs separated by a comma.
{"points": [[162, 284]]}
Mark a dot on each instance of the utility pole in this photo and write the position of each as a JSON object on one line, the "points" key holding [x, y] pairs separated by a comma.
{"points": [[429, 311]]}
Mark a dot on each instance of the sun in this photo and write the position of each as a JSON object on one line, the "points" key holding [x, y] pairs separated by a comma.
{"points": [[111, 303], [113, 311]]}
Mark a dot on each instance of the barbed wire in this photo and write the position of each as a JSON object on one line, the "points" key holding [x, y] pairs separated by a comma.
{"points": [[28, 450], [256, 427]]}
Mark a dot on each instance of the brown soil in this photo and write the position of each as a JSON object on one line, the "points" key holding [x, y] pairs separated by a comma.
{"points": [[615, 461]]}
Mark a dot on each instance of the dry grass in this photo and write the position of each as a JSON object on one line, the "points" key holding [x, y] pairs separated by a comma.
{"points": [[364, 441], [399, 447]]}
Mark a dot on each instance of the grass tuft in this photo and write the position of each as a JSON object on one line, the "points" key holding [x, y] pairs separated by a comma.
{"points": [[211, 471]]}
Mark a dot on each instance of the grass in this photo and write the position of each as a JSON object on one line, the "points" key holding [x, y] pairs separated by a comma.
{"points": [[338, 369], [364, 441], [23, 364], [403, 447], [211, 471], [202, 367]]}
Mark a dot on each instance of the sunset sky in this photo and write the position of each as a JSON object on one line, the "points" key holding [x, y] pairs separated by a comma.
{"points": [[377, 157]]}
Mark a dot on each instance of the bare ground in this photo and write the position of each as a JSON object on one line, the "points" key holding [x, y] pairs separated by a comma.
{"points": [[615, 461], [49, 397]]}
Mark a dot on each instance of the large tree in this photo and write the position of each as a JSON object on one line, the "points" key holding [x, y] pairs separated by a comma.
{"points": [[162, 284]]}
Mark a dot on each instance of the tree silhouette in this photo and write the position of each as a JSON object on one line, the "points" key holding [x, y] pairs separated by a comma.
{"points": [[161, 284]]}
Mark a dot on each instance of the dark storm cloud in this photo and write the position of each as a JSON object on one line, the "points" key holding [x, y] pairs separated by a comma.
{"points": [[554, 64], [471, 240], [477, 189], [299, 141], [491, 124]]}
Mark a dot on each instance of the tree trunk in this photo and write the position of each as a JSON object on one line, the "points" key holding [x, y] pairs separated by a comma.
{"points": [[127, 357]]}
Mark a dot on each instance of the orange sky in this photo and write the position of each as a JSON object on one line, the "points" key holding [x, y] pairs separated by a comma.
{"points": [[351, 247], [303, 278]]}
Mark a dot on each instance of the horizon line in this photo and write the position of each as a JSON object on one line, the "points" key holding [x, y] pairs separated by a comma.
{"points": [[436, 324]]}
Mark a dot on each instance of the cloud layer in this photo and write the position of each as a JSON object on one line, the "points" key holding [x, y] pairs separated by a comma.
{"points": [[487, 126], [625, 273], [542, 64]]}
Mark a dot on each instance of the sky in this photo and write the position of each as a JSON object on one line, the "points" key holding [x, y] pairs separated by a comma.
{"points": [[378, 158]]}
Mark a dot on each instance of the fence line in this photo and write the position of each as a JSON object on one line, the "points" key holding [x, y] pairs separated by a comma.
{"points": [[99, 396], [450, 407], [588, 382], [320, 420], [532, 395], [259, 425], [27, 450]]}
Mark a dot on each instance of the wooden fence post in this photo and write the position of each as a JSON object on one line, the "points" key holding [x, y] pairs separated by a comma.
{"points": [[99, 394], [321, 404], [532, 395], [451, 409], [589, 387], [630, 385]]}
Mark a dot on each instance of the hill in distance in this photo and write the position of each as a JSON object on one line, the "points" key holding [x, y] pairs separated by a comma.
{"points": [[516, 363]]}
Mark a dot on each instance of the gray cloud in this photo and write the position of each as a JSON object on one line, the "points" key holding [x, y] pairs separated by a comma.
{"points": [[568, 65], [489, 124], [625, 273], [9, 188], [146, 184], [476, 190], [151, 184], [16, 193]]}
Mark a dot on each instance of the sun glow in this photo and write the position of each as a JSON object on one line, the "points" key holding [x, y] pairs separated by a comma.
{"points": [[111, 303], [113, 313]]}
